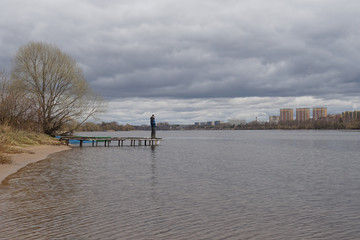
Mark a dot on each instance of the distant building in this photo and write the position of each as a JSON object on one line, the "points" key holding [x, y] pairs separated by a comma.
{"points": [[274, 119], [351, 116], [319, 113], [217, 123], [286, 114], [302, 114], [237, 121], [209, 123], [334, 117]]}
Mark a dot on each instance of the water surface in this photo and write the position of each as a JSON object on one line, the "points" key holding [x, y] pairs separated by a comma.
{"points": [[195, 185]]}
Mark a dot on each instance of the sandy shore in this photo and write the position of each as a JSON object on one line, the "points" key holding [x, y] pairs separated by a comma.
{"points": [[21, 160]]}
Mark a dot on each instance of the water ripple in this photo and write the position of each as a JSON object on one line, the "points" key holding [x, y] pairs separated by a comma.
{"points": [[211, 185]]}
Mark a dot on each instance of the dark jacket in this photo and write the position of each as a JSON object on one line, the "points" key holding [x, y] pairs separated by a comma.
{"points": [[152, 122]]}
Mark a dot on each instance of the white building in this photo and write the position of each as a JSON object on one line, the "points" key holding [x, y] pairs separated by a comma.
{"points": [[274, 119]]}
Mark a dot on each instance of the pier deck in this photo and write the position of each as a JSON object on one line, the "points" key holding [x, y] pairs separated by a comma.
{"points": [[107, 140]]}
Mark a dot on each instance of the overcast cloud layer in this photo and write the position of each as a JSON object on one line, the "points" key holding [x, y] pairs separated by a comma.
{"points": [[199, 60]]}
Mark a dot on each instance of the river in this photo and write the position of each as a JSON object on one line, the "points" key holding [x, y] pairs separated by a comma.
{"points": [[194, 185]]}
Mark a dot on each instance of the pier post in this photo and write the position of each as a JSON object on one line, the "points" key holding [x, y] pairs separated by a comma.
{"points": [[107, 140]]}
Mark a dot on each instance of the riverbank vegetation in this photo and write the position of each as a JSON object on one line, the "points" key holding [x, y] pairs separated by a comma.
{"points": [[12, 141]]}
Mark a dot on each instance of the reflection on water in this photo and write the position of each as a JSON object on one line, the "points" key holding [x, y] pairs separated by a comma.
{"points": [[195, 185]]}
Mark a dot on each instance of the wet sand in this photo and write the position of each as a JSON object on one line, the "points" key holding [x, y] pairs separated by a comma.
{"points": [[19, 161]]}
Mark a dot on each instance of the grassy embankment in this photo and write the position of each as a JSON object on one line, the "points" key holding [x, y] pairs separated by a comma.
{"points": [[14, 141]]}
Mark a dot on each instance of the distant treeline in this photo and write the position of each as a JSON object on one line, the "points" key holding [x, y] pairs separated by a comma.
{"points": [[319, 124], [114, 126], [104, 126]]}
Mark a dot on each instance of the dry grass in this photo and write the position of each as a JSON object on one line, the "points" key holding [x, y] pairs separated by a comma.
{"points": [[11, 141], [5, 159]]}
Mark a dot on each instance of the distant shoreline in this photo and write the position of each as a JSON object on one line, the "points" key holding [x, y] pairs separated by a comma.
{"points": [[21, 160]]}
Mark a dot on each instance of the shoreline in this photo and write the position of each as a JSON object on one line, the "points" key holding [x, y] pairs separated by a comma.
{"points": [[21, 160]]}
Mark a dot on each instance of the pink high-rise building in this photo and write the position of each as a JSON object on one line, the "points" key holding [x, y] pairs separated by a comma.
{"points": [[302, 114], [286, 114], [319, 113]]}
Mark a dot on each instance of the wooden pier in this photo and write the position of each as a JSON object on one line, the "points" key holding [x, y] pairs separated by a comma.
{"points": [[107, 140]]}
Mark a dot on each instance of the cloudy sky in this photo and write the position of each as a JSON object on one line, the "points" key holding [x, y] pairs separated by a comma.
{"points": [[200, 60]]}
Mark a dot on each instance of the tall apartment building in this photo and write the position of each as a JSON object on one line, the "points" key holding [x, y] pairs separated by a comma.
{"points": [[319, 112], [286, 114], [302, 114], [350, 116]]}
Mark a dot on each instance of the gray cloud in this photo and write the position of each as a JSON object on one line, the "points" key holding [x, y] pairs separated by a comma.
{"points": [[197, 49], [138, 110]]}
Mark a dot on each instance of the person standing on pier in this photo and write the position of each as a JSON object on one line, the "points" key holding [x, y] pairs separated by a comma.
{"points": [[153, 126]]}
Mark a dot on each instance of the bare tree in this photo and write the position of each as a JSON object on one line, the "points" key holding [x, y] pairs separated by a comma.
{"points": [[15, 109], [55, 85]]}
